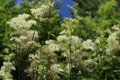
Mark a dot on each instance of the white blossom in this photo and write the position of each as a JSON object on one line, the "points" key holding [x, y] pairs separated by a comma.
{"points": [[40, 12], [75, 40], [53, 47], [30, 42], [88, 62], [7, 66], [113, 44], [32, 34], [67, 68], [97, 41], [70, 23], [62, 38], [56, 68], [49, 41], [5, 71], [24, 16], [88, 44], [20, 22], [116, 27], [23, 36]]}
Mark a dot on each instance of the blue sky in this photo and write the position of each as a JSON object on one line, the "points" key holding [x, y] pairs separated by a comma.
{"points": [[64, 10], [18, 1]]}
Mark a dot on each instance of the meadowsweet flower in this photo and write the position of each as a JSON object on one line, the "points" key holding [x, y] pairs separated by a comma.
{"points": [[5, 71], [97, 41], [20, 22], [40, 12], [49, 41], [75, 40], [18, 40], [69, 23], [67, 68], [113, 44], [53, 47], [7, 67], [88, 62], [30, 42], [62, 38], [116, 27], [56, 68], [30, 23], [23, 36], [88, 44], [32, 33], [24, 16]]}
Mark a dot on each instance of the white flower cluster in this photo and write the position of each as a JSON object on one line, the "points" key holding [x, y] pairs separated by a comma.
{"points": [[56, 68], [88, 44], [88, 62], [23, 35], [62, 43], [113, 41], [20, 22], [116, 27], [66, 42], [62, 38], [97, 41], [5, 71], [67, 68], [51, 46], [41, 11], [69, 24], [75, 41]]}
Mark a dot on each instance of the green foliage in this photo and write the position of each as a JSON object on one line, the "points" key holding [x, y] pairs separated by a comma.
{"points": [[107, 9], [86, 7], [7, 11], [38, 45]]}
